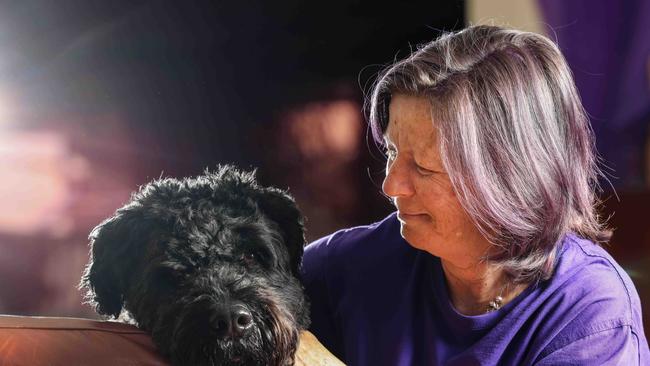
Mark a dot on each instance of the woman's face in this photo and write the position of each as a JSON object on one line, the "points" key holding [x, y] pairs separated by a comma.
{"points": [[429, 212]]}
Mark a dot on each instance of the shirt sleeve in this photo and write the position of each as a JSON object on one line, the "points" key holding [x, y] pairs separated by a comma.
{"points": [[614, 346], [316, 274]]}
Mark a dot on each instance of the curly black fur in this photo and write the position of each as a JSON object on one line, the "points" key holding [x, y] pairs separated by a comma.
{"points": [[182, 253]]}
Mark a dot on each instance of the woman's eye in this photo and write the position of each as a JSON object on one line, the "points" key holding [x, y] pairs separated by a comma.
{"points": [[423, 171]]}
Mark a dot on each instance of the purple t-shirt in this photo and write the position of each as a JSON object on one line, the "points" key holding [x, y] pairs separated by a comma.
{"points": [[375, 300]]}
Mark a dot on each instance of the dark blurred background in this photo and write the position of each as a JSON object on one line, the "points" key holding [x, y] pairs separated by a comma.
{"points": [[99, 97]]}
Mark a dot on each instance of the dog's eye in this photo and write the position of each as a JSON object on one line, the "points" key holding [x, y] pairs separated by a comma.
{"points": [[250, 258], [256, 257]]}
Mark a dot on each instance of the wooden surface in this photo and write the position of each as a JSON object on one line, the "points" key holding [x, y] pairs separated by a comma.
{"points": [[312, 353]]}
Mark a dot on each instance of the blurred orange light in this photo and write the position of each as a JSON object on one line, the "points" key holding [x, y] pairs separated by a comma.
{"points": [[326, 129], [35, 182]]}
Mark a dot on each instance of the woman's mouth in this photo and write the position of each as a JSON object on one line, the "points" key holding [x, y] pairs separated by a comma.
{"points": [[403, 216]]}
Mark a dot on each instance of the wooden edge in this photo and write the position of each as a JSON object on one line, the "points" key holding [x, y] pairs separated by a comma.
{"points": [[312, 353]]}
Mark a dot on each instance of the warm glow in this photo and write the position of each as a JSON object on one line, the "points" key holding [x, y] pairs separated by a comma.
{"points": [[35, 175], [327, 129]]}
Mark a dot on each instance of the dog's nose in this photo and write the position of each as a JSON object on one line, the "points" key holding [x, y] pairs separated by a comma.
{"points": [[234, 321], [242, 320]]}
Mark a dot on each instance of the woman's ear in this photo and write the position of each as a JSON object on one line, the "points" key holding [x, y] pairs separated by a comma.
{"points": [[116, 244], [280, 207]]}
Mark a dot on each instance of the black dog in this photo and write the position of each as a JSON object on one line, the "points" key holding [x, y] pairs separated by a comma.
{"points": [[208, 266]]}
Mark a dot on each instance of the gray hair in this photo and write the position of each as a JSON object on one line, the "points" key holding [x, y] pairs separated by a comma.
{"points": [[514, 139]]}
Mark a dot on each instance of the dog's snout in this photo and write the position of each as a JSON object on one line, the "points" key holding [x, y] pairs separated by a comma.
{"points": [[234, 321]]}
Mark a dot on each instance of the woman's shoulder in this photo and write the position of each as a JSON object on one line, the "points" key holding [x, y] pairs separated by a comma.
{"points": [[347, 241], [587, 268], [589, 294], [358, 252]]}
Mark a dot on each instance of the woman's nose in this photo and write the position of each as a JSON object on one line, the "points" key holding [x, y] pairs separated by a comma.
{"points": [[397, 182]]}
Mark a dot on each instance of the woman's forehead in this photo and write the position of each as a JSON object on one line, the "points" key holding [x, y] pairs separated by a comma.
{"points": [[413, 106], [410, 119], [411, 128]]}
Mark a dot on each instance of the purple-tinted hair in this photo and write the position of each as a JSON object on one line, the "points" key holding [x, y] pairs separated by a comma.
{"points": [[514, 139]]}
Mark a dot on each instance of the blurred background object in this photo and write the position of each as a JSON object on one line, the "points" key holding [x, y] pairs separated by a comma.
{"points": [[97, 98]]}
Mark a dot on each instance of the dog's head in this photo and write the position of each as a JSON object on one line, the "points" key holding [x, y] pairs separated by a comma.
{"points": [[208, 265]]}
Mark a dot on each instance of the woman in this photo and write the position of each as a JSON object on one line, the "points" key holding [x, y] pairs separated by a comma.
{"points": [[492, 256]]}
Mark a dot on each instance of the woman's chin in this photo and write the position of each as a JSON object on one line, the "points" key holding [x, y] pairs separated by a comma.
{"points": [[415, 236]]}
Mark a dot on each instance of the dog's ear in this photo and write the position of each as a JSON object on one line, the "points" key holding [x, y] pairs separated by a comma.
{"points": [[116, 247], [281, 208]]}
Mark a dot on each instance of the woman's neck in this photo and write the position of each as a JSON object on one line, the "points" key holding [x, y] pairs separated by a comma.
{"points": [[472, 288]]}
